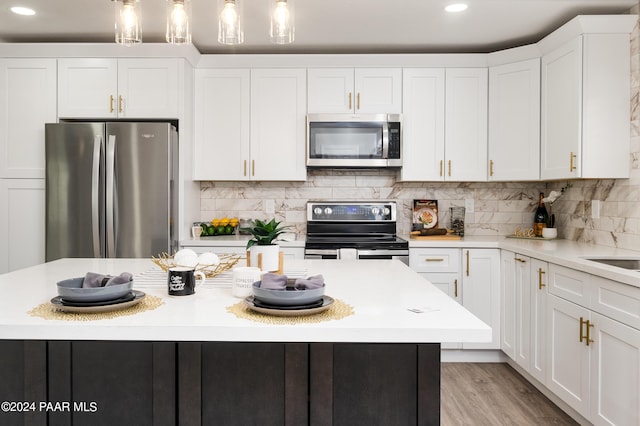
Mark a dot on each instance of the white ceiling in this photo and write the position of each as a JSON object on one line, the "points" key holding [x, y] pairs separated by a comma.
{"points": [[322, 26]]}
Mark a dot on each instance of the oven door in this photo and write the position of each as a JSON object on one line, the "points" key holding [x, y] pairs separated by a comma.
{"points": [[359, 254], [336, 140]]}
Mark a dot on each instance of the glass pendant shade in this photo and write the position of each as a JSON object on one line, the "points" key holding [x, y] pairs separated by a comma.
{"points": [[179, 20], [230, 22], [282, 21], [128, 22]]}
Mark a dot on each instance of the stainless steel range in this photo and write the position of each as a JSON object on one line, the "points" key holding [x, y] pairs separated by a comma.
{"points": [[353, 230]]}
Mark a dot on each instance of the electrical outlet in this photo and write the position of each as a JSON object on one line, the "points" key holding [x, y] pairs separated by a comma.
{"points": [[270, 206], [469, 205], [595, 209]]}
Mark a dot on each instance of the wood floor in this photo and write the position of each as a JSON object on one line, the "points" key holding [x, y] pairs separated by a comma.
{"points": [[493, 394]]}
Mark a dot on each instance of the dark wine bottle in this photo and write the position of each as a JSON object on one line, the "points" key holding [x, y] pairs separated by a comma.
{"points": [[540, 218]]}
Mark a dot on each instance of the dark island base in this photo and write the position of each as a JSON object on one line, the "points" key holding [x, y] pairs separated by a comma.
{"points": [[219, 383]]}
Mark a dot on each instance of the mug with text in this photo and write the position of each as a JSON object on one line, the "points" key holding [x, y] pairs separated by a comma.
{"points": [[182, 280], [243, 279]]}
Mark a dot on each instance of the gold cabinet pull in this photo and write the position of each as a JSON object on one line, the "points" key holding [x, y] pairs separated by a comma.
{"points": [[110, 103], [455, 288], [253, 167], [449, 167], [490, 167], [358, 101], [120, 103], [589, 327], [434, 259], [572, 158], [467, 262], [350, 100], [440, 167], [540, 274], [520, 260], [586, 337], [244, 172]]}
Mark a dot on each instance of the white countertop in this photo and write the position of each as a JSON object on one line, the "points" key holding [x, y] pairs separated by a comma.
{"points": [[380, 296]]}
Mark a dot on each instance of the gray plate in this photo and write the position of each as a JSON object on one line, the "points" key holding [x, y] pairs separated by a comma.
{"points": [[72, 291], [287, 297]]}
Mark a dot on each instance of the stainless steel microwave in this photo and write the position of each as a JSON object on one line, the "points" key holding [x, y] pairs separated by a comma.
{"points": [[354, 140]]}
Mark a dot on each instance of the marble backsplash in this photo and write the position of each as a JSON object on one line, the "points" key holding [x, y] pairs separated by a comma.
{"points": [[498, 207]]}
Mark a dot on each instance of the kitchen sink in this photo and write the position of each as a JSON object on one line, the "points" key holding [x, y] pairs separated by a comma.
{"points": [[620, 262]]}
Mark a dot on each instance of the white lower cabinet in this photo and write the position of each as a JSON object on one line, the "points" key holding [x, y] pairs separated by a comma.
{"points": [[441, 267], [523, 312], [593, 360], [473, 282], [481, 291], [21, 223], [568, 365], [538, 311], [615, 373]]}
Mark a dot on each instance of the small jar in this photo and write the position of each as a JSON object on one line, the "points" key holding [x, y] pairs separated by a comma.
{"points": [[456, 220], [243, 223]]}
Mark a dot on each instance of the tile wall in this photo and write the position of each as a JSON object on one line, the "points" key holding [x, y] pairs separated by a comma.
{"points": [[498, 207]]}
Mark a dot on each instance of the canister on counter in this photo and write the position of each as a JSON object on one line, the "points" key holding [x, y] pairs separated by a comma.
{"points": [[456, 220]]}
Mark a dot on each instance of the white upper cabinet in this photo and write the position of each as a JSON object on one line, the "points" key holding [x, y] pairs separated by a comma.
{"points": [[250, 124], [221, 148], [585, 121], [278, 124], [514, 121], [118, 88], [444, 124], [466, 91], [422, 124], [28, 101], [359, 90]]}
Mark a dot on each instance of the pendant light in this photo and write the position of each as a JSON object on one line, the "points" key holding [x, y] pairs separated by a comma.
{"points": [[282, 21], [128, 22], [178, 21], [230, 22]]}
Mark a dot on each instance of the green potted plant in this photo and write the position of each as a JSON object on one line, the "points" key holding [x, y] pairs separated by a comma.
{"points": [[264, 234]]}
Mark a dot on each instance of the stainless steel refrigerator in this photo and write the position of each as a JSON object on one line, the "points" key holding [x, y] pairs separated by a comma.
{"points": [[111, 189]]}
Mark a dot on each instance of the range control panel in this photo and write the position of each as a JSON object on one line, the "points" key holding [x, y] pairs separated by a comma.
{"points": [[382, 211]]}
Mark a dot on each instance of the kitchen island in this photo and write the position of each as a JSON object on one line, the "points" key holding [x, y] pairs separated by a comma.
{"points": [[191, 361]]}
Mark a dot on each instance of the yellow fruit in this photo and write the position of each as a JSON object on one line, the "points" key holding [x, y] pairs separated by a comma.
{"points": [[224, 221], [215, 222]]}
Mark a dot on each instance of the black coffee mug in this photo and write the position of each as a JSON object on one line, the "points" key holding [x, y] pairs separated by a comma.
{"points": [[182, 280]]}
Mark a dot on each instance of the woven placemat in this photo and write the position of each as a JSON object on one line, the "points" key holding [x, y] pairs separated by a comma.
{"points": [[336, 311], [49, 311]]}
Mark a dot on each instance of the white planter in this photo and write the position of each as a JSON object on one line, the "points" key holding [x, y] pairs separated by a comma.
{"points": [[270, 257]]}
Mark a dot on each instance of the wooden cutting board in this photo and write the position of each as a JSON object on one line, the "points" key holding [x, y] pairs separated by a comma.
{"points": [[436, 237]]}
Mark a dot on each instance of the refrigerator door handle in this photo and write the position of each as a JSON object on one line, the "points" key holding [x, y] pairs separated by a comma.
{"points": [[95, 194], [110, 195]]}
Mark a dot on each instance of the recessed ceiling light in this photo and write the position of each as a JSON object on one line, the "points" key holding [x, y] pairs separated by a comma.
{"points": [[456, 7], [18, 10]]}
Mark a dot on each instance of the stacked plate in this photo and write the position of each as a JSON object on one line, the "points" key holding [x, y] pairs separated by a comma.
{"points": [[72, 297], [288, 301]]}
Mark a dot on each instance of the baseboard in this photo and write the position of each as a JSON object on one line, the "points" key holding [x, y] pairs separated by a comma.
{"points": [[475, 355]]}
